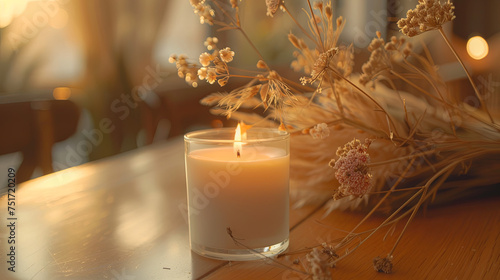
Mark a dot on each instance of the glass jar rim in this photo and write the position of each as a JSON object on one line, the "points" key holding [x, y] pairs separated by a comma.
{"points": [[266, 135]]}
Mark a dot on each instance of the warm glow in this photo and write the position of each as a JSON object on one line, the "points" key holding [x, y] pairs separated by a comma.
{"points": [[237, 141], [9, 9], [61, 93], [59, 20], [477, 47], [239, 135]]}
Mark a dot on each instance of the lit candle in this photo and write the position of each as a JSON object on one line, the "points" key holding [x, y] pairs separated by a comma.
{"points": [[241, 184]]}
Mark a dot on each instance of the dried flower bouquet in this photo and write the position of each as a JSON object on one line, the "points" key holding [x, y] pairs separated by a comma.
{"points": [[420, 143]]}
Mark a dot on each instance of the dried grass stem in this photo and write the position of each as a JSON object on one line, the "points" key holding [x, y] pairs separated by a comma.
{"points": [[441, 31]]}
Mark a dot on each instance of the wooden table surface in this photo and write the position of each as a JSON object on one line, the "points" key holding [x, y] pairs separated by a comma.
{"points": [[122, 218]]}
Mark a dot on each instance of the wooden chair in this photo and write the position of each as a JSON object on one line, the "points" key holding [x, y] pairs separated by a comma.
{"points": [[32, 128]]}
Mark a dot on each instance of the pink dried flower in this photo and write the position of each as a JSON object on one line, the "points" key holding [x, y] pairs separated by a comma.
{"points": [[320, 131], [226, 55], [353, 172]]}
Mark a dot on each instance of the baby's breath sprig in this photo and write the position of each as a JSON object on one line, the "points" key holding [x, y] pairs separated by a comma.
{"points": [[204, 11], [214, 65], [187, 71]]}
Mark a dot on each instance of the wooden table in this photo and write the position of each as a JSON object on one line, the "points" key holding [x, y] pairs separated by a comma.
{"points": [[120, 218]]}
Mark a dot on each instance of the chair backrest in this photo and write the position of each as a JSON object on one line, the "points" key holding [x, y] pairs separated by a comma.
{"points": [[32, 127]]}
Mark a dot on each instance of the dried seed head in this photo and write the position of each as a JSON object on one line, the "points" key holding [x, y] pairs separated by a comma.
{"points": [[340, 20], [272, 7], [261, 64], [295, 42], [329, 12], [318, 6], [383, 264], [428, 15]]}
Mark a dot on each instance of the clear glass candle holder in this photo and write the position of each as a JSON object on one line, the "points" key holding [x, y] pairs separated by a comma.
{"points": [[238, 193]]}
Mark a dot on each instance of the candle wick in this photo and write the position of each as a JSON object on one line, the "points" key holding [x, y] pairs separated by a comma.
{"points": [[238, 154]]}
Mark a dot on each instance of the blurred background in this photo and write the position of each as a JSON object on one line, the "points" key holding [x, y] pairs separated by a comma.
{"points": [[82, 80]]}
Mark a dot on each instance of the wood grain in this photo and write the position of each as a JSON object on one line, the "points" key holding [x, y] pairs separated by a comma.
{"points": [[455, 242], [117, 218], [121, 218]]}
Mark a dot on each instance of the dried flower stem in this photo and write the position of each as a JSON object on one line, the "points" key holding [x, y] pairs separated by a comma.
{"points": [[365, 94], [398, 190], [414, 85], [298, 25], [237, 242], [337, 98], [384, 223], [452, 124], [379, 163], [441, 31], [238, 27], [316, 26], [448, 170], [493, 125], [348, 236], [297, 85]]}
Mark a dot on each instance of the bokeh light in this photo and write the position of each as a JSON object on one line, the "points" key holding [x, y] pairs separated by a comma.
{"points": [[61, 93], [477, 47]]}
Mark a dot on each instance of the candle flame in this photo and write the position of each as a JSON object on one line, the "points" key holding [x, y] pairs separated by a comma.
{"points": [[239, 135]]}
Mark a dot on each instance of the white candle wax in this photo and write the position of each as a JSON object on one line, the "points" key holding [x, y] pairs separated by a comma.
{"points": [[248, 194]]}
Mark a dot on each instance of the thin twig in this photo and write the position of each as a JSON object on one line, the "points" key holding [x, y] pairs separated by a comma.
{"points": [[449, 169], [237, 242], [441, 31], [298, 24], [316, 26], [378, 204]]}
